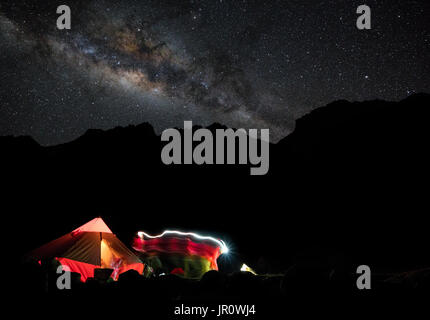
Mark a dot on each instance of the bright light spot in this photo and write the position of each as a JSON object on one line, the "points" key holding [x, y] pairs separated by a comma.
{"points": [[247, 269], [220, 243]]}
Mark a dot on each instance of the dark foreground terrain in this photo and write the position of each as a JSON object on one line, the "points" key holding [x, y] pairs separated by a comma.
{"points": [[302, 290]]}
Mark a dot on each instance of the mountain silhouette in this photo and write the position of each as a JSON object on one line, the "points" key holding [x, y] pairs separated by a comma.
{"points": [[350, 183]]}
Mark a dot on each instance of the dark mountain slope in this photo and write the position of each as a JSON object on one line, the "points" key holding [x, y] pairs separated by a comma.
{"points": [[351, 181]]}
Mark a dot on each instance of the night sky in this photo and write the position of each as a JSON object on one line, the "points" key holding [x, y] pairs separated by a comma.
{"points": [[242, 63]]}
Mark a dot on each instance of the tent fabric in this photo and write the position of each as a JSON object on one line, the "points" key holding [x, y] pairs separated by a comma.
{"points": [[86, 270], [89, 247], [95, 225], [55, 247], [86, 249], [117, 246]]}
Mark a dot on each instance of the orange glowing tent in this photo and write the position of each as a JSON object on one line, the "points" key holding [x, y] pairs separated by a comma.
{"points": [[89, 247]]}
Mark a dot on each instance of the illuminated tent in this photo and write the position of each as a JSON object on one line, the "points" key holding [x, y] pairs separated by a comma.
{"points": [[185, 254], [89, 247]]}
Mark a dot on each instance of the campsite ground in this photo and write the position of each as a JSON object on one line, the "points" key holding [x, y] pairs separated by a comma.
{"points": [[271, 297]]}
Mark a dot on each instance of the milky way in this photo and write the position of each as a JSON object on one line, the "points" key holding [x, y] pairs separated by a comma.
{"points": [[243, 64]]}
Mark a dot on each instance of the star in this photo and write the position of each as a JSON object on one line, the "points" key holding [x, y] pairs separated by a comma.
{"points": [[240, 65]]}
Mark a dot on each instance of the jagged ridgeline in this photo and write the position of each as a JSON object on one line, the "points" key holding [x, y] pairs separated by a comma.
{"points": [[346, 168]]}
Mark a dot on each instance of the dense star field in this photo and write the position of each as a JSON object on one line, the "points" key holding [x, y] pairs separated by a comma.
{"points": [[251, 64]]}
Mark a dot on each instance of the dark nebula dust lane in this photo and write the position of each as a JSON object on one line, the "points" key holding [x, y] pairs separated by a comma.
{"points": [[251, 64]]}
